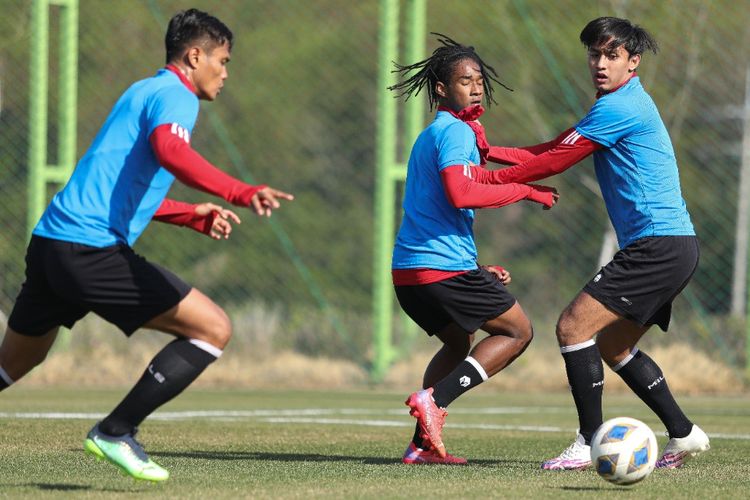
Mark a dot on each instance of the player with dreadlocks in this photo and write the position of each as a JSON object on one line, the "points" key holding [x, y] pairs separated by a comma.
{"points": [[435, 272]]}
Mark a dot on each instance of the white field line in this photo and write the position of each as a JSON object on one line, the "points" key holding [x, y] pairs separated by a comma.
{"points": [[326, 416]]}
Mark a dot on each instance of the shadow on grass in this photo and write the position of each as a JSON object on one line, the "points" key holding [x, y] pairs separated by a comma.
{"points": [[316, 457], [70, 487]]}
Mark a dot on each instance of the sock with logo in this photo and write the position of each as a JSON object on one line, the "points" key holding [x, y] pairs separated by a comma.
{"points": [[5, 380], [169, 373], [468, 374], [646, 379], [585, 370]]}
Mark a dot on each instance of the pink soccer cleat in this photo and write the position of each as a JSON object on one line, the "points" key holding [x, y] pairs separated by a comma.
{"points": [[430, 418], [414, 455]]}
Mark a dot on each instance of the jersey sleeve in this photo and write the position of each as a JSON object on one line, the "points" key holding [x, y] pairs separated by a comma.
{"points": [[172, 104], [607, 122], [456, 145]]}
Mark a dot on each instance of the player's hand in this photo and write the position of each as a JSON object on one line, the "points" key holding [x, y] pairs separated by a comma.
{"points": [[546, 195], [218, 220], [500, 272], [267, 199]]}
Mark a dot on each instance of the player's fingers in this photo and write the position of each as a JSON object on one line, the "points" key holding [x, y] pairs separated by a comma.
{"points": [[255, 201], [231, 215], [269, 200], [282, 194]]}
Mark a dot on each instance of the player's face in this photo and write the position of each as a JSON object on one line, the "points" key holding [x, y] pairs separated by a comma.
{"points": [[610, 67], [211, 71], [466, 86]]}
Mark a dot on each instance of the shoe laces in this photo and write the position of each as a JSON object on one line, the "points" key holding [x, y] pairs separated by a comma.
{"points": [[574, 451], [135, 445]]}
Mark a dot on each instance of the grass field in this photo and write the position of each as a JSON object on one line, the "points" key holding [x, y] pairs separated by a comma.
{"points": [[253, 444]]}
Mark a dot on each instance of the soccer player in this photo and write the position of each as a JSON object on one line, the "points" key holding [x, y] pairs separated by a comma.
{"points": [[80, 258], [435, 272], [637, 173]]}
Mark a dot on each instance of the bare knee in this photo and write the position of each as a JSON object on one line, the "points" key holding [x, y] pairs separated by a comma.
{"points": [[566, 328], [218, 330]]}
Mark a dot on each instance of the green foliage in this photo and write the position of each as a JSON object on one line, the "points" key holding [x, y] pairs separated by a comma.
{"points": [[298, 112]]}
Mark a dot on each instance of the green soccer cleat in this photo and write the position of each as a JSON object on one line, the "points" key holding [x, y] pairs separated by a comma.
{"points": [[125, 453]]}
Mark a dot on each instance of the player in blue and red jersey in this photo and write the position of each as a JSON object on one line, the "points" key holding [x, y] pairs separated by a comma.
{"points": [[435, 272], [80, 257], [638, 176]]}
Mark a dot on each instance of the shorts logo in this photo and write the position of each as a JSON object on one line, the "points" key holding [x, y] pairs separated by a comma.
{"points": [[597, 278], [464, 381], [626, 301], [597, 384], [180, 132], [158, 376]]}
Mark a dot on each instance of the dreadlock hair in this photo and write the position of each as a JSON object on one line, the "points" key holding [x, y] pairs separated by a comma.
{"points": [[439, 68], [615, 32]]}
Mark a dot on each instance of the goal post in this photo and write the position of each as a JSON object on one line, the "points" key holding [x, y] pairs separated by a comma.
{"points": [[389, 171]]}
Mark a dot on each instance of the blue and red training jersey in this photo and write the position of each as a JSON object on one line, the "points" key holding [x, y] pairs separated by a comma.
{"points": [[118, 184]]}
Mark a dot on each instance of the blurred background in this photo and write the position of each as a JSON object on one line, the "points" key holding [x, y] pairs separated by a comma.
{"points": [[299, 112]]}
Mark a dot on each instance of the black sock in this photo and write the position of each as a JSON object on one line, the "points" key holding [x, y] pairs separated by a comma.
{"points": [[168, 374], [417, 439], [469, 373], [646, 379], [583, 364], [3, 384]]}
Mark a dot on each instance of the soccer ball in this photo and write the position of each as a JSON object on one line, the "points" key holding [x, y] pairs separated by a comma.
{"points": [[623, 450]]}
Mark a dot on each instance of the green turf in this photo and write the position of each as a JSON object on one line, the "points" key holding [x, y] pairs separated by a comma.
{"points": [[257, 457]]}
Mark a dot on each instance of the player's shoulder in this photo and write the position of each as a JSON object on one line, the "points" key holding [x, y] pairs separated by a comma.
{"points": [[447, 125]]}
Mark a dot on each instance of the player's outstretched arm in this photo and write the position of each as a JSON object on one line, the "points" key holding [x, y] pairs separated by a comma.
{"points": [[514, 156], [463, 191], [187, 165], [572, 149], [206, 218]]}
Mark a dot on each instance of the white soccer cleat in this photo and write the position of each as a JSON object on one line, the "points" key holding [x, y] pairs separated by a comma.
{"points": [[680, 450], [574, 457]]}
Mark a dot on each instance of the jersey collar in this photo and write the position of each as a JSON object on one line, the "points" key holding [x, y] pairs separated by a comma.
{"points": [[174, 69]]}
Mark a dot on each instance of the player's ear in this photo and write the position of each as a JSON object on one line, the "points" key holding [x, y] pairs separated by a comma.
{"points": [[441, 90], [634, 62], [192, 56]]}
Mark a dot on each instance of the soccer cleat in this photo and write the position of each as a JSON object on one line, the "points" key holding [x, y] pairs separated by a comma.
{"points": [[414, 455], [125, 453], [430, 418], [680, 450], [575, 457]]}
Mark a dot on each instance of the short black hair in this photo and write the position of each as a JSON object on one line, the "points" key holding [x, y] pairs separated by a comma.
{"points": [[615, 32], [190, 26], [439, 67]]}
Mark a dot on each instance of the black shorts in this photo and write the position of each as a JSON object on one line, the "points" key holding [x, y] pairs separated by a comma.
{"points": [[643, 278], [64, 281], [469, 300]]}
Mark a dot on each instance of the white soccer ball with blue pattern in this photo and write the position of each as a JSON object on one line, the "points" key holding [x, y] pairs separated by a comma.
{"points": [[623, 450]]}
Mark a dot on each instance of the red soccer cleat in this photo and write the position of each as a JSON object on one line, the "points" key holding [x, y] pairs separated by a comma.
{"points": [[414, 455], [430, 418]]}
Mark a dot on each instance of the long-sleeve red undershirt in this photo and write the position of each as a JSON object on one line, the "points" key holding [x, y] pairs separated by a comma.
{"points": [[181, 213], [190, 168], [176, 155], [532, 163], [473, 187]]}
